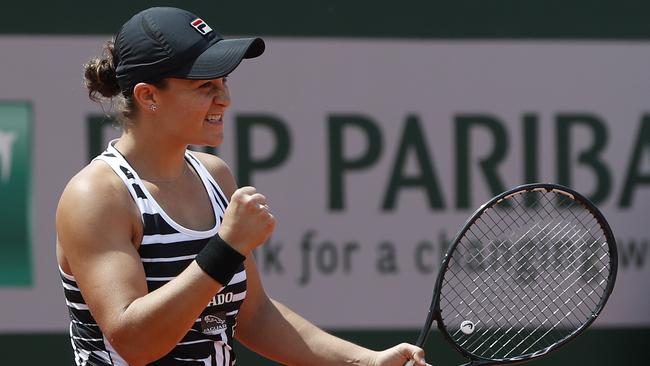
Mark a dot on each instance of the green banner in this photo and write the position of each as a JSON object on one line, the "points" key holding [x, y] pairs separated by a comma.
{"points": [[595, 347], [459, 19], [15, 194]]}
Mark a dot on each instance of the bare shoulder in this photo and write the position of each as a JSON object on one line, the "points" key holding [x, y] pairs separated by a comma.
{"points": [[95, 200], [219, 170], [96, 183]]}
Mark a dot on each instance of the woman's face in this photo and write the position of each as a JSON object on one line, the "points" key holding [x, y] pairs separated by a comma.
{"points": [[192, 110]]}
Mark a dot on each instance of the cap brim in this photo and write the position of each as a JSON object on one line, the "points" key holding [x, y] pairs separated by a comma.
{"points": [[221, 58]]}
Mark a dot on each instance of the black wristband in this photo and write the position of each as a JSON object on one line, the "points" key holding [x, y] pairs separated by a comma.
{"points": [[219, 260]]}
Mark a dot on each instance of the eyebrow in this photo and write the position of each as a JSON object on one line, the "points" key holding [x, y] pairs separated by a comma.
{"points": [[200, 81]]}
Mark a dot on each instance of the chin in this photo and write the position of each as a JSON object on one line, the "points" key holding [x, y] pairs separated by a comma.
{"points": [[214, 142]]}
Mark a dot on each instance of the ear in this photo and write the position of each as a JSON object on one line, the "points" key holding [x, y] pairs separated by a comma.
{"points": [[145, 95]]}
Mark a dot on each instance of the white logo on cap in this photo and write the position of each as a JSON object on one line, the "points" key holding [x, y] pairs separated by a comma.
{"points": [[201, 26]]}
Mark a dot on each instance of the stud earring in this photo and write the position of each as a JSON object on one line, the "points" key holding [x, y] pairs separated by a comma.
{"points": [[152, 107]]}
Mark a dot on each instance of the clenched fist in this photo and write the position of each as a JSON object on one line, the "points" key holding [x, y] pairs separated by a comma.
{"points": [[247, 222]]}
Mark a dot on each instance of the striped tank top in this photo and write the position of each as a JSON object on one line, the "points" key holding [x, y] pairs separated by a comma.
{"points": [[167, 248]]}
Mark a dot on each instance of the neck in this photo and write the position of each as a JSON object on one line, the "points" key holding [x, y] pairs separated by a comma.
{"points": [[154, 158]]}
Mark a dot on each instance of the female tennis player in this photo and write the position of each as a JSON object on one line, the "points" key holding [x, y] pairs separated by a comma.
{"points": [[154, 241]]}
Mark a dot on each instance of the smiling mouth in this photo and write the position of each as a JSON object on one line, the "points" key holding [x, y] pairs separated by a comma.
{"points": [[214, 118]]}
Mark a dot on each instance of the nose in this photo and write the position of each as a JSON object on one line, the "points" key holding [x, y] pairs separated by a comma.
{"points": [[222, 97]]}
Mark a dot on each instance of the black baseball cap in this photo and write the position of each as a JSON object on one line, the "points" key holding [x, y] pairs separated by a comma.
{"points": [[165, 42]]}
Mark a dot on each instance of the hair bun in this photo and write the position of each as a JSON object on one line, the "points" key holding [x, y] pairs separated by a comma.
{"points": [[100, 76]]}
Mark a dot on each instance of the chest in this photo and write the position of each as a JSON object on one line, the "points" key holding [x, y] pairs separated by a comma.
{"points": [[187, 202]]}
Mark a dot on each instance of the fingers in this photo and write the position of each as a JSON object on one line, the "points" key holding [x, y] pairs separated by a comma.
{"points": [[257, 200], [264, 208], [249, 197], [251, 200], [247, 221], [414, 354], [245, 190], [400, 355], [257, 204], [246, 194]]}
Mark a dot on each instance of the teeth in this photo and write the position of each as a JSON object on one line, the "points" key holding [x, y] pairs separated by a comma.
{"points": [[214, 117]]}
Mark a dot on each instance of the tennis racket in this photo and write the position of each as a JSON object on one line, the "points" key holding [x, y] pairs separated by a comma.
{"points": [[529, 271]]}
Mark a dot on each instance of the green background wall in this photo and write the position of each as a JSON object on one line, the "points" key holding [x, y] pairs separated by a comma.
{"points": [[476, 19], [622, 20], [595, 347]]}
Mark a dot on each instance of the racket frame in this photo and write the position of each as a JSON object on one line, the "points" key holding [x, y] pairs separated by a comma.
{"points": [[435, 312]]}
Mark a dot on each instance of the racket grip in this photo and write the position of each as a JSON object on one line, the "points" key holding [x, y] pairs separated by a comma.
{"points": [[410, 363]]}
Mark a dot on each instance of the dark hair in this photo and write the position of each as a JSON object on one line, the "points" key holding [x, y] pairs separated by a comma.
{"points": [[101, 80]]}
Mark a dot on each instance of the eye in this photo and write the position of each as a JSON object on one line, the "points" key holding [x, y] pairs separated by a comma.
{"points": [[207, 84]]}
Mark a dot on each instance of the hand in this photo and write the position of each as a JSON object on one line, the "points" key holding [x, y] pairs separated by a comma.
{"points": [[399, 355], [247, 222]]}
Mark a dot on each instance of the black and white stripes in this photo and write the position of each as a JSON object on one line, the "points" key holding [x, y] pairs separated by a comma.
{"points": [[167, 248]]}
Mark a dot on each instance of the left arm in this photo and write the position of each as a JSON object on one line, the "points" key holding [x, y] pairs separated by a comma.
{"points": [[276, 332]]}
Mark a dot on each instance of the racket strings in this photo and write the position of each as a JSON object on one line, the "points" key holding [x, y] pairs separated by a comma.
{"points": [[510, 319], [536, 306], [489, 273], [540, 338], [519, 298], [528, 310], [536, 303]]}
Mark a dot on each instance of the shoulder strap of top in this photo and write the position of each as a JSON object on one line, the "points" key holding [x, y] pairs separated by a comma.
{"points": [[121, 167], [221, 198]]}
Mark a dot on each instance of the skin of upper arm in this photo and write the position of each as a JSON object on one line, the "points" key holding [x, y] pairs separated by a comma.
{"points": [[95, 231]]}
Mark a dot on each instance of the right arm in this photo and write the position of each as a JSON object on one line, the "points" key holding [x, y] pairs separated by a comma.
{"points": [[95, 227]]}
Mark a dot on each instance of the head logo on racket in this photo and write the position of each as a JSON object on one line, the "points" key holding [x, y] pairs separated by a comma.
{"points": [[467, 327]]}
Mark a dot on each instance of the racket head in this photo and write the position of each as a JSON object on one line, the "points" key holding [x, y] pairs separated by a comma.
{"points": [[536, 285]]}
